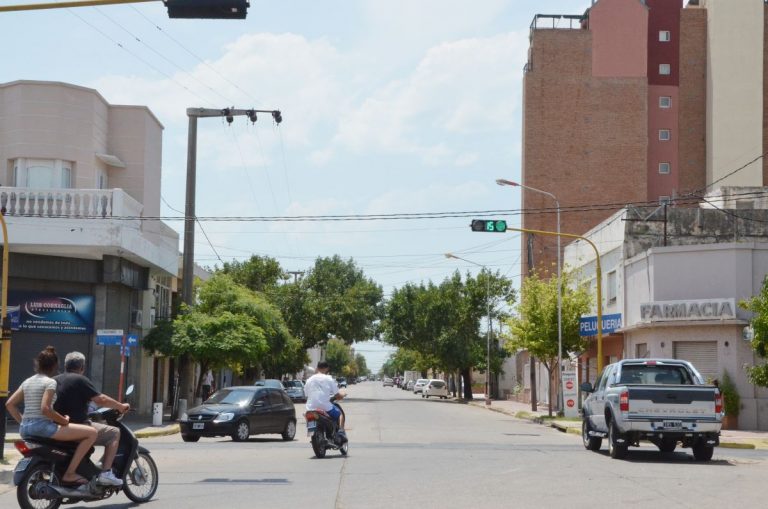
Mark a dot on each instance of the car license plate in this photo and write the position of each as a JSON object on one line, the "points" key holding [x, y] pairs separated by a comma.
{"points": [[22, 465], [198, 425], [672, 424]]}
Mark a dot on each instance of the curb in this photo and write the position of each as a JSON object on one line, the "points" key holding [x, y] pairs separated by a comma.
{"points": [[159, 432], [737, 445]]}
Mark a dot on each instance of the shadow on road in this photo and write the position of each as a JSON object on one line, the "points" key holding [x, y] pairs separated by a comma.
{"points": [[650, 456]]}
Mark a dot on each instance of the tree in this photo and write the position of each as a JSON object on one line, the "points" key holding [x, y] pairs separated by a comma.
{"points": [[231, 326], [337, 355], [535, 326], [361, 365], [758, 374], [442, 322], [334, 299], [259, 273]]}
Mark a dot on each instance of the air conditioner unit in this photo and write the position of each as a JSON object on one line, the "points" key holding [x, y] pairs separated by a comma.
{"points": [[137, 318]]}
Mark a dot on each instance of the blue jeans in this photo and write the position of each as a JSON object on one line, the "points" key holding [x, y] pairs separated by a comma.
{"points": [[37, 427], [335, 413]]}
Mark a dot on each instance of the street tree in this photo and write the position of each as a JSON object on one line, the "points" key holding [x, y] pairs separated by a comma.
{"points": [[758, 374], [258, 273], [534, 327], [337, 355], [334, 299]]}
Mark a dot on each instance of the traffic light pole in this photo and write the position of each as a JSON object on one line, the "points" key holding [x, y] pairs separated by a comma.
{"points": [[65, 5]]}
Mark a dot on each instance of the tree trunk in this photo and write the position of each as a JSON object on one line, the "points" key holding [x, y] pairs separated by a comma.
{"points": [[534, 403], [466, 375], [549, 388], [199, 381]]}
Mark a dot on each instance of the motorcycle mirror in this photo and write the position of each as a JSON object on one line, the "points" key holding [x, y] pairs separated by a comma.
{"points": [[129, 390]]}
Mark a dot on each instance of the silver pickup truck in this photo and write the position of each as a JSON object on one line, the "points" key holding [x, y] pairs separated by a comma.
{"points": [[664, 401]]}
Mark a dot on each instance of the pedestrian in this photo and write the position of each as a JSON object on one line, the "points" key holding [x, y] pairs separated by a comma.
{"points": [[38, 393], [207, 384]]}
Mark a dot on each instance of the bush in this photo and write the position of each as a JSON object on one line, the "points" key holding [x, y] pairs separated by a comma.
{"points": [[731, 399]]}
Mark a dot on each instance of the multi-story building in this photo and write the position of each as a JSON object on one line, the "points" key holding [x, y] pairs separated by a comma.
{"points": [[80, 191], [640, 102]]}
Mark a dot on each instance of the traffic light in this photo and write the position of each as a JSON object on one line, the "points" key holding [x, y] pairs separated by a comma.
{"points": [[207, 9], [489, 225]]}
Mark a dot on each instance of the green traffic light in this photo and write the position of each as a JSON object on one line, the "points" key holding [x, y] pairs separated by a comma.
{"points": [[489, 225]]}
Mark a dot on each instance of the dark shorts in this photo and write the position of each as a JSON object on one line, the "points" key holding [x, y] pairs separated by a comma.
{"points": [[335, 413]]}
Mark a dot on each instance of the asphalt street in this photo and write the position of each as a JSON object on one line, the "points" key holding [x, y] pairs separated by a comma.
{"points": [[410, 452]]}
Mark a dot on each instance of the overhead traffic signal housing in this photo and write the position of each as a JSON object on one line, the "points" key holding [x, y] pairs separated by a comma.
{"points": [[207, 9], [489, 225]]}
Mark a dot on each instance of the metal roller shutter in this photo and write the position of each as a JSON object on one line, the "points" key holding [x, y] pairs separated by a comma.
{"points": [[702, 354]]}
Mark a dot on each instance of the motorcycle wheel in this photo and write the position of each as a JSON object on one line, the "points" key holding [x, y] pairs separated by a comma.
{"points": [[141, 480], [38, 473], [344, 449], [318, 445]]}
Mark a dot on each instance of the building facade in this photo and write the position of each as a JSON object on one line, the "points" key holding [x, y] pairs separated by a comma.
{"points": [[80, 191]]}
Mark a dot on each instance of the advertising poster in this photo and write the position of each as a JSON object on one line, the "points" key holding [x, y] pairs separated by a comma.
{"points": [[51, 312]]}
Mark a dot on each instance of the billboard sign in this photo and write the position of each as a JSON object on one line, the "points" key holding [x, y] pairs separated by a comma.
{"points": [[588, 324], [51, 312]]}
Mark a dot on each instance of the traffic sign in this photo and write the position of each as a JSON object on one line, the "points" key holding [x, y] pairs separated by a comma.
{"points": [[109, 337], [125, 350], [133, 340]]}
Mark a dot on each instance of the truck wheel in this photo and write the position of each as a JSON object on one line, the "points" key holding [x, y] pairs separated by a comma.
{"points": [[703, 452], [667, 445], [590, 442], [616, 450]]}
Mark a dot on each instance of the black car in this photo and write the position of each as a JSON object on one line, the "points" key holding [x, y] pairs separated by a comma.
{"points": [[240, 412], [295, 390]]}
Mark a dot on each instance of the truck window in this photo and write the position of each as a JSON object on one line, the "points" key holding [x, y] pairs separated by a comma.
{"points": [[606, 374], [656, 374]]}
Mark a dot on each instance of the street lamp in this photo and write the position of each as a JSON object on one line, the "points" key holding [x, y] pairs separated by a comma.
{"points": [[503, 182], [488, 330]]}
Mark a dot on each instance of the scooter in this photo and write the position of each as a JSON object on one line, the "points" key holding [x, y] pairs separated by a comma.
{"points": [[37, 475], [324, 433]]}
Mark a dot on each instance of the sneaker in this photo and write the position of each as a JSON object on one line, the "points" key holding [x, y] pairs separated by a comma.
{"points": [[108, 479], [341, 437]]}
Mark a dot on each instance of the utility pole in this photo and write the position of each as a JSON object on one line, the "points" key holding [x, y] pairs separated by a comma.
{"points": [[188, 259], [296, 274]]}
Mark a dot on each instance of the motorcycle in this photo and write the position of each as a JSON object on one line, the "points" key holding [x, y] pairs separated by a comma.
{"points": [[324, 433], [38, 473]]}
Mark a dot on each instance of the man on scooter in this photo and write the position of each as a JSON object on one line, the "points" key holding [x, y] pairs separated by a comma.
{"points": [[321, 389], [73, 393]]}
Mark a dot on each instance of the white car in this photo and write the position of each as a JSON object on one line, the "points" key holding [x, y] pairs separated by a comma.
{"points": [[435, 388], [419, 385]]}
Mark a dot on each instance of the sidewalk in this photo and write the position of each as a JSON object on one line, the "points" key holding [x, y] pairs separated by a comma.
{"points": [[142, 427], [735, 439]]}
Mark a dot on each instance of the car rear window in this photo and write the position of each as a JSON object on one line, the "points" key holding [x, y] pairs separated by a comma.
{"points": [[292, 383], [655, 374], [437, 385]]}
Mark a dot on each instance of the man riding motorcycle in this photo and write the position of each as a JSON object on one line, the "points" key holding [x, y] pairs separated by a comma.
{"points": [[321, 389], [73, 393]]}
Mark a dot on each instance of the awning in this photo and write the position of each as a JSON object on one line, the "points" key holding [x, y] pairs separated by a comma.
{"points": [[111, 160]]}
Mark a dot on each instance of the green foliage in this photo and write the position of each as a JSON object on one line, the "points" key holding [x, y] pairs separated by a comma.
{"points": [[335, 299], [535, 326], [758, 374], [337, 355], [731, 398], [438, 326], [259, 273]]}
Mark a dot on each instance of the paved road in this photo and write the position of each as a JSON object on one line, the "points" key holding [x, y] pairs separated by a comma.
{"points": [[408, 452]]}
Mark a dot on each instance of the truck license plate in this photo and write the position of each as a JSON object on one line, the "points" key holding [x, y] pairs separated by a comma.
{"points": [[198, 425], [672, 424]]}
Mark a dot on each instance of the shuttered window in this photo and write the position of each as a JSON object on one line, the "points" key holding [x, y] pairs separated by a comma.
{"points": [[702, 354]]}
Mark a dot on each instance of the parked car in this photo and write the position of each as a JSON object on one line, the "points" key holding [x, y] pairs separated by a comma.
{"points": [[342, 382], [295, 390], [435, 388], [410, 384], [419, 385], [269, 382], [388, 382], [240, 412], [664, 401]]}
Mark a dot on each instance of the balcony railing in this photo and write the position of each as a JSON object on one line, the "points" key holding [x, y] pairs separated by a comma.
{"points": [[555, 22], [70, 203]]}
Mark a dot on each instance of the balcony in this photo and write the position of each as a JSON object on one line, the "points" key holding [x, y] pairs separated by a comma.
{"points": [[555, 22], [68, 203]]}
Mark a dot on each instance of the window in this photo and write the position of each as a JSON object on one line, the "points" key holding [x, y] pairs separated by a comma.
{"points": [[42, 173], [665, 102], [664, 36], [664, 134], [641, 351], [664, 168], [611, 287], [665, 69]]}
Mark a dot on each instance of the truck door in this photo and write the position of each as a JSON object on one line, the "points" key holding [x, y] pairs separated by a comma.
{"points": [[597, 405]]}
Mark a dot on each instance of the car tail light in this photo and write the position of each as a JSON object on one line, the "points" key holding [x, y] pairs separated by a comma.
{"points": [[24, 447], [718, 403], [624, 401]]}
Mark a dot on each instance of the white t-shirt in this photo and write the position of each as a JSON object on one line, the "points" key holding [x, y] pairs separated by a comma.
{"points": [[320, 389], [33, 389]]}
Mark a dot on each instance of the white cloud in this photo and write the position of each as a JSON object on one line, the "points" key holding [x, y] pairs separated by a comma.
{"points": [[433, 197]]}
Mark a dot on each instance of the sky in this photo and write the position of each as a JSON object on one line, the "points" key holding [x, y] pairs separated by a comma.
{"points": [[388, 106]]}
